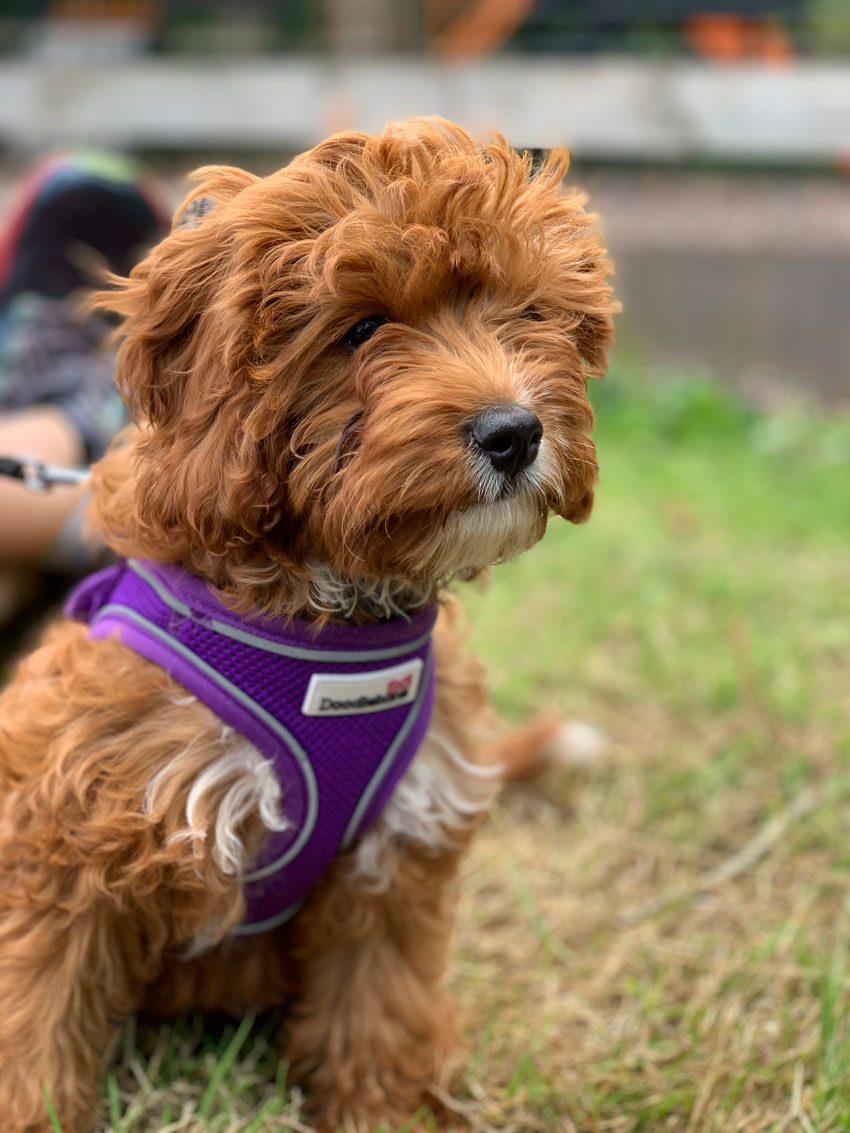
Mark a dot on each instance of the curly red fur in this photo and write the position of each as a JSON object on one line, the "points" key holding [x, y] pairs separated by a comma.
{"points": [[296, 477], [232, 345]]}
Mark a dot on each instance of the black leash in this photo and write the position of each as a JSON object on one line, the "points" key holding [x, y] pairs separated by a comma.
{"points": [[37, 476]]}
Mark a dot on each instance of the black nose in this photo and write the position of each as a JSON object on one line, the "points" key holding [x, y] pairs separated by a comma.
{"points": [[509, 435]]}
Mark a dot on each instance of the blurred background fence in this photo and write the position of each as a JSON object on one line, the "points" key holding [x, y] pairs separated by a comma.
{"points": [[769, 29], [714, 137]]}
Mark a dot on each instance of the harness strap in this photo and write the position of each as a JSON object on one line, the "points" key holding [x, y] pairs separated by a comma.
{"points": [[339, 713]]}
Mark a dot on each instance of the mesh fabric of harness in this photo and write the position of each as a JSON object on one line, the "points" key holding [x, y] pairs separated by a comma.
{"points": [[339, 712]]}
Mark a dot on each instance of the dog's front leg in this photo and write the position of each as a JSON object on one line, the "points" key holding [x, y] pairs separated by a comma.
{"points": [[100, 876], [77, 948], [371, 1022], [62, 987]]}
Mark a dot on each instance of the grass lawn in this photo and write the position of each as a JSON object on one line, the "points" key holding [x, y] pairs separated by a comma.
{"points": [[660, 943]]}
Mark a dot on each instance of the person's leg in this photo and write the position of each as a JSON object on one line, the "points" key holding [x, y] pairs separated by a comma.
{"points": [[58, 401]]}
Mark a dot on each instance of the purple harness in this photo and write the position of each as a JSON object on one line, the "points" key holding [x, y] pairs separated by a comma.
{"points": [[339, 712]]}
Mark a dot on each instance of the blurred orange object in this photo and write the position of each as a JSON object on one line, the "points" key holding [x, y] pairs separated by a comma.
{"points": [[145, 11], [480, 29], [727, 37]]}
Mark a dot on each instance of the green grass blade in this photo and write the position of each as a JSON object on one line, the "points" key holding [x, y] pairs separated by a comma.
{"points": [[224, 1065], [51, 1112]]}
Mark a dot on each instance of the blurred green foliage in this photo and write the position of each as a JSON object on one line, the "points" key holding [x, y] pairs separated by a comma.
{"points": [[828, 24], [715, 521]]}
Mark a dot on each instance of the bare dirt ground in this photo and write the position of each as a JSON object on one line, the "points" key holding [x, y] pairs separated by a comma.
{"points": [[742, 278], [679, 210]]}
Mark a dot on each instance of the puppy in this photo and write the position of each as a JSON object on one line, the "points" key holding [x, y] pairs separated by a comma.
{"points": [[245, 770]]}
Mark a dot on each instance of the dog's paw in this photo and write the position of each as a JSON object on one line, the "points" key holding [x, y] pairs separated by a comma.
{"points": [[530, 750], [574, 744]]}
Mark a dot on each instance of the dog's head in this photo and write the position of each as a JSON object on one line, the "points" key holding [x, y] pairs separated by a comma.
{"points": [[374, 359]]}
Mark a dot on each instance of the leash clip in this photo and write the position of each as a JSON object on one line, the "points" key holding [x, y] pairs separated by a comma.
{"points": [[38, 476]]}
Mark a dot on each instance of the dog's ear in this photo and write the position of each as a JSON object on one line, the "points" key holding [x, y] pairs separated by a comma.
{"points": [[579, 511], [593, 338], [589, 294], [214, 183], [168, 296], [205, 477]]}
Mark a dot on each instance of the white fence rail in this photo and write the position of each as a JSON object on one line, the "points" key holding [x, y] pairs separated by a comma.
{"points": [[602, 107]]}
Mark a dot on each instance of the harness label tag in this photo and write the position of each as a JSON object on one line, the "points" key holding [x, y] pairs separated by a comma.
{"points": [[354, 694]]}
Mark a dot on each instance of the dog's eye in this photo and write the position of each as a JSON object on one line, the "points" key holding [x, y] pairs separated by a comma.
{"points": [[363, 330]]}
